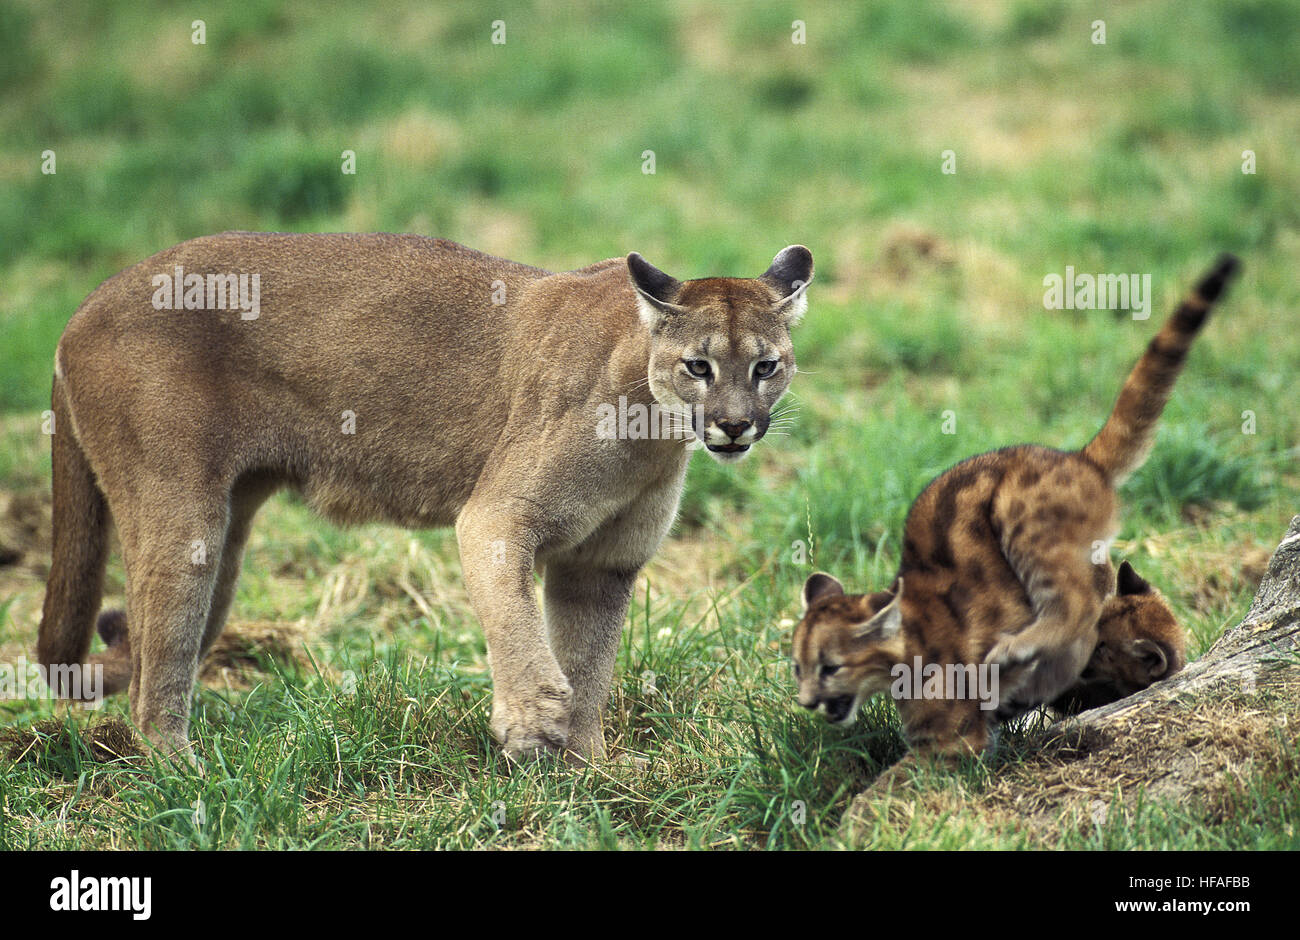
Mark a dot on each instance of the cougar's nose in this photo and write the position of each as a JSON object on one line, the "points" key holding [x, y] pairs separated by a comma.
{"points": [[734, 429]]}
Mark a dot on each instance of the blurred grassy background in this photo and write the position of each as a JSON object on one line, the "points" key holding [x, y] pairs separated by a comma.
{"points": [[1122, 157]]}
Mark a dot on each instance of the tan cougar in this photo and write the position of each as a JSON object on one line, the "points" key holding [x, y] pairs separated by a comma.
{"points": [[409, 380]]}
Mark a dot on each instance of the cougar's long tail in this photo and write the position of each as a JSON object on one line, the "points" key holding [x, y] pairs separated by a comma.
{"points": [[75, 586], [1122, 444]]}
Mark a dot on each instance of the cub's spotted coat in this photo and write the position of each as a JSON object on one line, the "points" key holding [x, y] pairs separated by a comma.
{"points": [[998, 571], [1139, 642]]}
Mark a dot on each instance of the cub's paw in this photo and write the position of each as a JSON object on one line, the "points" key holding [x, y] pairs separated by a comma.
{"points": [[536, 722], [1017, 665], [1012, 649]]}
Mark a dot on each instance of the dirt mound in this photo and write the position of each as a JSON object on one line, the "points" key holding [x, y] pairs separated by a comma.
{"points": [[1200, 749], [108, 739], [240, 654], [910, 249], [24, 526], [237, 661]]}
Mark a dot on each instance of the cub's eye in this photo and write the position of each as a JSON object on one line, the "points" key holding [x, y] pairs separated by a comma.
{"points": [[796, 670], [766, 368], [698, 367], [829, 670]]}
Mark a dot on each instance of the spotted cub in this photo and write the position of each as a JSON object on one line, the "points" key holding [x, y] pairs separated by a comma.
{"points": [[1001, 602]]}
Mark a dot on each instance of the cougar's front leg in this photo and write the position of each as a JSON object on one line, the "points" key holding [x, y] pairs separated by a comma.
{"points": [[587, 592], [531, 699], [941, 733], [1046, 657], [585, 610]]}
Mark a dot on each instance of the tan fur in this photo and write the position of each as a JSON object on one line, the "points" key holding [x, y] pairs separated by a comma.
{"points": [[1139, 642], [468, 412], [1000, 567]]}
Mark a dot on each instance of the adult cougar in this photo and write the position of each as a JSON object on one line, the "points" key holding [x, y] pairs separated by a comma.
{"points": [[403, 379]]}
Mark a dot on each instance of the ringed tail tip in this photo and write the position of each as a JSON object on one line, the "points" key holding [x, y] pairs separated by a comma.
{"points": [[1216, 281]]}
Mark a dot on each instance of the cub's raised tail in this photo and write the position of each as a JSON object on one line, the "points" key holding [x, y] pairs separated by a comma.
{"points": [[1122, 444]]}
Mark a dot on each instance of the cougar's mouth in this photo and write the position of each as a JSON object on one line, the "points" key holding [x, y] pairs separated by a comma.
{"points": [[728, 448], [838, 708]]}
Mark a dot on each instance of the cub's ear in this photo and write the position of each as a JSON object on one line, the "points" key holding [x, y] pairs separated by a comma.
{"points": [[655, 290], [791, 273], [1130, 582], [1153, 658], [886, 623], [820, 585]]}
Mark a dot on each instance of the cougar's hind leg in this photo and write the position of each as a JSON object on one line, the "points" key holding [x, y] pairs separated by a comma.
{"points": [[246, 499], [1051, 546], [173, 540]]}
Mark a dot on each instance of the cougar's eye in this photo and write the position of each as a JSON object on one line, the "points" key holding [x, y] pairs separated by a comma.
{"points": [[766, 368], [829, 670], [698, 367]]}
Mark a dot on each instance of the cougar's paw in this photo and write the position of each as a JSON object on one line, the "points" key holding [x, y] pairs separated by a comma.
{"points": [[1017, 666], [896, 778], [586, 744], [1053, 670], [1011, 650], [172, 744], [534, 723]]}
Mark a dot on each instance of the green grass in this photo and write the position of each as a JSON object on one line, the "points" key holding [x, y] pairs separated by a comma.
{"points": [[1117, 158]]}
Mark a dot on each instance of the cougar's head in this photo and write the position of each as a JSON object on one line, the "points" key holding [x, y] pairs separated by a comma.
{"points": [[1139, 642], [720, 347], [845, 646]]}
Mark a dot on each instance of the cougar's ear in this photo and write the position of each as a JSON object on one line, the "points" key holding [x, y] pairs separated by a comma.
{"points": [[1130, 582], [820, 585], [887, 622], [655, 290], [1153, 658], [790, 274]]}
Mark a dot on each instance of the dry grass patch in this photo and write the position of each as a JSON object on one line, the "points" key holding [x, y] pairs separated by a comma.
{"points": [[237, 657], [1197, 751]]}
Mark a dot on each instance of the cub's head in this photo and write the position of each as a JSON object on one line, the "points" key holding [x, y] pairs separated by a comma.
{"points": [[720, 346], [845, 646], [1139, 642]]}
